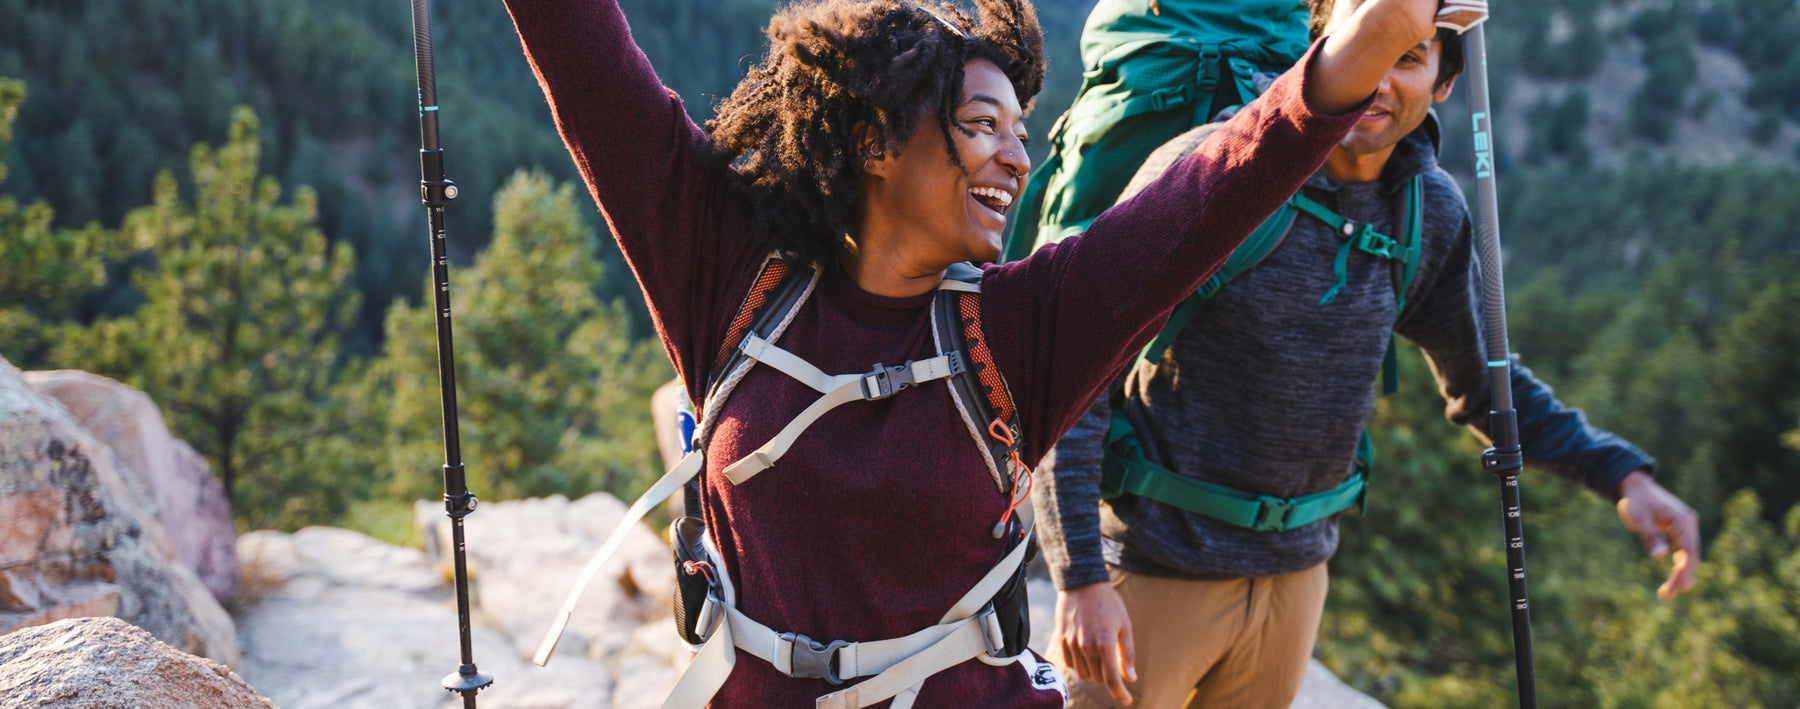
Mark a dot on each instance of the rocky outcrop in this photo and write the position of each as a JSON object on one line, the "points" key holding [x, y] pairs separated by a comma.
{"points": [[80, 536], [190, 502], [527, 553], [103, 663], [332, 618]]}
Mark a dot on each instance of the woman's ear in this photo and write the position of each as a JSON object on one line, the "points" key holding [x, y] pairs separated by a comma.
{"points": [[876, 160]]}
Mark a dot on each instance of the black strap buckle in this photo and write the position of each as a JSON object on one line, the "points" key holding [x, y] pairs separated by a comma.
{"points": [[883, 382], [811, 659]]}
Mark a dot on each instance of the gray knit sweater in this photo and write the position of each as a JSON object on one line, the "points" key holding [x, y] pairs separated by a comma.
{"points": [[1266, 390]]}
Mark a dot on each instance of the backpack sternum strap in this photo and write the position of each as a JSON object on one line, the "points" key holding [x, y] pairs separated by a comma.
{"points": [[1363, 237], [884, 382], [838, 390]]}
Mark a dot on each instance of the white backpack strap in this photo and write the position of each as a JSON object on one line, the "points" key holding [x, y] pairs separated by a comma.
{"points": [[838, 390], [903, 681], [898, 666], [690, 465], [715, 398]]}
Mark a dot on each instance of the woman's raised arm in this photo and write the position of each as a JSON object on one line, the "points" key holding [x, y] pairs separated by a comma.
{"points": [[680, 225]]}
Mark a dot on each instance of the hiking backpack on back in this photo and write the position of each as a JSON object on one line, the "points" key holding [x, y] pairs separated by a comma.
{"points": [[1152, 69]]}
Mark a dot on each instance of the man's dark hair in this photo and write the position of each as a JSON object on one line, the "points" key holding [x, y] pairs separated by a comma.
{"points": [[839, 72], [1450, 44]]}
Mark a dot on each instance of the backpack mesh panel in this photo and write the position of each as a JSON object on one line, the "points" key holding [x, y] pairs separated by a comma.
{"points": [[981, 358], [759, 296]]}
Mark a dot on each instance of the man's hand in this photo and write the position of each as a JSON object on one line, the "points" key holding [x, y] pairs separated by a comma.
{"points": [[1656, 516], [1096, 637]]}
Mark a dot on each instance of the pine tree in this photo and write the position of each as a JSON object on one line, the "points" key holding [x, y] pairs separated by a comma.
{"points": [[552, 392], [43, 271], [238, 336]]}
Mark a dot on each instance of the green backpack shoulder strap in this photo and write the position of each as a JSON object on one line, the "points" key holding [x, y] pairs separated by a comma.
{"points": [[1255, 248]]}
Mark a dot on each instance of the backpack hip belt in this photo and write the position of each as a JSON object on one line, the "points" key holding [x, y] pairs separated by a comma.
{"points": [[989, 622], [1125, 471], [973, 628]]}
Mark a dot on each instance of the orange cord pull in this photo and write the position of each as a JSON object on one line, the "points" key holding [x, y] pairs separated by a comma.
{"points": [[1001, 433], [698, 567]]}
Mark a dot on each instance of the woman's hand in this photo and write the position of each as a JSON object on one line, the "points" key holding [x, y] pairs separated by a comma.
{"points": [[1364, 42], [1460, 16]]}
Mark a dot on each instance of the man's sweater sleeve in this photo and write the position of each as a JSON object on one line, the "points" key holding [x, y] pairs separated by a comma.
{"points": [[1067, 496], [1446, 324]]}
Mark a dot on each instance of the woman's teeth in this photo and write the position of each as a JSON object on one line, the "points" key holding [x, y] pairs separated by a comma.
{"points": [[993, 197]]}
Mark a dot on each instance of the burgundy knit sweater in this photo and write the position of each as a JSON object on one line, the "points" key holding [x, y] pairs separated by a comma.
{"points": [[879, 517]]}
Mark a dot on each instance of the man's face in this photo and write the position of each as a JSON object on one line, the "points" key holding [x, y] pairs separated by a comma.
{"points": [[1402, 101], [1405, 96]]}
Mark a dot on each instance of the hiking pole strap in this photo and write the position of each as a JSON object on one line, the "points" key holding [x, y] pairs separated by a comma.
{"points": [[690, 466]]}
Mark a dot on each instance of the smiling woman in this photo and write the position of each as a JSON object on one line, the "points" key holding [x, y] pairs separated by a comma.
{"points": [[866, 537], [866, 119]]}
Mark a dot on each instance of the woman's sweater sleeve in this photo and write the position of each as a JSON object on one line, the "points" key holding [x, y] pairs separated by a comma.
{"points": [[681, 228], [1064, 321]]}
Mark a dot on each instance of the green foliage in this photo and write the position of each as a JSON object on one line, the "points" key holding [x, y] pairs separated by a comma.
{"points": [[238, 336], [1573, 54], [1659, 298], [1671, 67], [1733, 643], [48, 270], [334, 83], [552, 391]]}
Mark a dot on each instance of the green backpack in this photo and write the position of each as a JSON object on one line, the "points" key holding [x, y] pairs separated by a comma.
{"points": [[1154, 70]]}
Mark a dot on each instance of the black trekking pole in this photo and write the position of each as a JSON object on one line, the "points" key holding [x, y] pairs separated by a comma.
{"points": [[1505, 458], [436, 191]]}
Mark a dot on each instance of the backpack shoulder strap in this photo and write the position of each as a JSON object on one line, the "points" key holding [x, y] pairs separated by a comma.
{"points": [[1255, 248], [1411, 237], [774, 298], [980, 394]]}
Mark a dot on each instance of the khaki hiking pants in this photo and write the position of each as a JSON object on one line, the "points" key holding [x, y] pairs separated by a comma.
{"points": [[1231, 644]]}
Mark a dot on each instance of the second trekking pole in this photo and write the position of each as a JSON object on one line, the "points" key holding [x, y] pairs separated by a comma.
{"points": [[436, 191], [1505, 458]]}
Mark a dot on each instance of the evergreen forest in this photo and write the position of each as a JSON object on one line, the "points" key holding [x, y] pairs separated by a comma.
{"points": [[216, 202]]}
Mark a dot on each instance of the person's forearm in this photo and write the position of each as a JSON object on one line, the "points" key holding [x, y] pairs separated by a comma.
{"points": [[1359, 52], [1068, 497]]}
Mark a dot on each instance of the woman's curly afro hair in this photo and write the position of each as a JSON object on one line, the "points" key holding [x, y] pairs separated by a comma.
{"points": [[839, 67]]}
